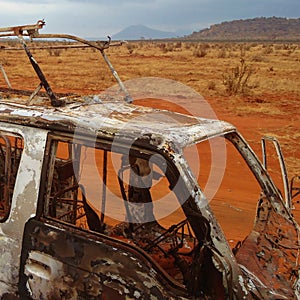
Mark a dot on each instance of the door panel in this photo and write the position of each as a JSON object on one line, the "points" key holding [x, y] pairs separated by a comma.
{"points": [[63, 262]]}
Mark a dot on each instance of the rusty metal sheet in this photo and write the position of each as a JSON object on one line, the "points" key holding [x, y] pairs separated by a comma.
{"points": [[271, 253]]}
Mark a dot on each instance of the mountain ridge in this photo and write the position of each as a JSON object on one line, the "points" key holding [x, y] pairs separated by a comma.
{"points": [[140, 32], [255, 29], [260, 28]]}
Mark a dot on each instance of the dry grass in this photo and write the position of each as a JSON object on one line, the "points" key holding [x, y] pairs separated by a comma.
{"points": [[273, 89], [277, 67]]}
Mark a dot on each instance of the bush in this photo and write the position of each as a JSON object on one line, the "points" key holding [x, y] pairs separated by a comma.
{"points": [[4, 62], [236, 80], [258, 58], [130, 48], [268, 49], [202, 51], [222, 53], [178, 45], [211, 85], [54, 52]]}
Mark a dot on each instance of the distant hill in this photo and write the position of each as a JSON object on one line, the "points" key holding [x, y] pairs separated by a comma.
{"points": [[274, 28], [138, 32]]}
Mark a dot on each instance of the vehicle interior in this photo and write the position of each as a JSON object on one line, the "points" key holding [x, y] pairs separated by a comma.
{"points": [[125, 198]]}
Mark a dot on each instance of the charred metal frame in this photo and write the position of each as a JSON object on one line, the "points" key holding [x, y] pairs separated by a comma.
{"points": [[7, 175], [5, 76], [287, 191], [10, 156], [32, 31], [175, 234], [295, 190]]}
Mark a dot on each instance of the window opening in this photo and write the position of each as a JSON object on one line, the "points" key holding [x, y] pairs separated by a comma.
{"points": [[11, 147], [236, 196], [128, 199]]}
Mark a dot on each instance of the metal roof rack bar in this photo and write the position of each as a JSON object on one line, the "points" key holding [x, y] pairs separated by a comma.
{"points": [[54, 101], [5, 76], [19, 30], [32, 31]]}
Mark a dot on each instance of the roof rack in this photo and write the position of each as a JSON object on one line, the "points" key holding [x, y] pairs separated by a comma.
{"points": [[19, 30], [32, 31]]}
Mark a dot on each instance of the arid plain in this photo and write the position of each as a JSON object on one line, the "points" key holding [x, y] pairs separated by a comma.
{"points": [[255, 86]]}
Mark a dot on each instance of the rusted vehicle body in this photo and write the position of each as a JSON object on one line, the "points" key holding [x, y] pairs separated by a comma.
{"points": [[81, 216]]}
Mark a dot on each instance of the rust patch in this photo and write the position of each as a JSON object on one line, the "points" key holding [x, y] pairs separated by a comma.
{"points": [[271, 251]]}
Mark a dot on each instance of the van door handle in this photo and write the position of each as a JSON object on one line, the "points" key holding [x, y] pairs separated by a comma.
{"points": [[43, 266]]}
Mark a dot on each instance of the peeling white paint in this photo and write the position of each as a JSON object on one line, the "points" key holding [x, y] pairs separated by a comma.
{"points": [[126, 118], [242, 284], [28, 180], [24, 201], [43, 270], [137, 294], [116, 277], [9, 269]]}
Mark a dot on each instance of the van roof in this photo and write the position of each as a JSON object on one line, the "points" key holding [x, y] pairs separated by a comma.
{"points": [[108, 118]]}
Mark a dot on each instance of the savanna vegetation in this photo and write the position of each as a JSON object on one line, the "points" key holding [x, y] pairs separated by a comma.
{"points": [[255, 86]]}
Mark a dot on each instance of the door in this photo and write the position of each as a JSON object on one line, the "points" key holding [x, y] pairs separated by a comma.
{"points": [[11, 149], [80, 245]]}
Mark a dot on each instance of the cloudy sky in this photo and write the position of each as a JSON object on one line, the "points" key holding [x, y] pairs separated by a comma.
{"points": [[99, 18]]}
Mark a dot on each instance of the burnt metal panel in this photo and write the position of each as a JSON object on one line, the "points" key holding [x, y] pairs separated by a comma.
{"points": [[118, 120], [271, 253], [60, 262], [24, 203]]}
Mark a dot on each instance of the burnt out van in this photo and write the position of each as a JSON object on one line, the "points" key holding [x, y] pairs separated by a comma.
{"points": [[99, 200]]}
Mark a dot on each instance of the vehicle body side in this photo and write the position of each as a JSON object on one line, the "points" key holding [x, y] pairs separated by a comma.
{"points": [[24, 201]]}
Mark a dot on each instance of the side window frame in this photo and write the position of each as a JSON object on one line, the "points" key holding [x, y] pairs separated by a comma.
{"points": [[10, 158], [178, 235], [48, 170], [105, 145]]}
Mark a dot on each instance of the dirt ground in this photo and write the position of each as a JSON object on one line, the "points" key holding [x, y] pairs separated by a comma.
{"points": [[269, 104]]}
